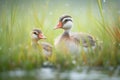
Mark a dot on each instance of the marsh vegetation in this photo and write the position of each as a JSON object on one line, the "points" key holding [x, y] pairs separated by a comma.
{"points": [[101, 18]]}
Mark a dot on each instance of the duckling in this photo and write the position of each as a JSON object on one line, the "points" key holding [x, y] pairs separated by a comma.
{"points": [[36, 35], [72, 42]]}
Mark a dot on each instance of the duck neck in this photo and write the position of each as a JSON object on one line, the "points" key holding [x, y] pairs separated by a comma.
{"points": [[66, 33], [34, 42]]}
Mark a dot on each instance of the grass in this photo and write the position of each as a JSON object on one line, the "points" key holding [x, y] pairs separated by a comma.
{"points": [[16, 23]]}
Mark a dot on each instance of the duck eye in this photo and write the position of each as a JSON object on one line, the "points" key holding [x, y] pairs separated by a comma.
{"points": [[34, 32], [66, 20]]}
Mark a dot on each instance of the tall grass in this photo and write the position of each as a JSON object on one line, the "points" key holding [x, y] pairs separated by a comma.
{"points": [[16, 51]]}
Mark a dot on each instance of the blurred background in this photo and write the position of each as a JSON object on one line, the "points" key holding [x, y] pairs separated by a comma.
{"points": [[101, 18]]}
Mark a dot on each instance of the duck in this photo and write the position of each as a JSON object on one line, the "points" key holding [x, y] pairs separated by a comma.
{"points": [[45, 47], [72, 42]]}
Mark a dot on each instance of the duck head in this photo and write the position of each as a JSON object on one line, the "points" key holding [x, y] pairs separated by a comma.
{"points": [[37, 35], [65, 22]]}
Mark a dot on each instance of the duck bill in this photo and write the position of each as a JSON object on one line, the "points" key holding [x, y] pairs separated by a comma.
{"points": [[41, 36], [59, 25]]}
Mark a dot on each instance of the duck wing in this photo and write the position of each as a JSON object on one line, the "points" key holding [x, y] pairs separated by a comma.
{"points": [[84, 39], [46, 46]]}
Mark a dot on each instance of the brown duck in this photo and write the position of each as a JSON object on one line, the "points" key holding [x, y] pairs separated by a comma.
{"points": [[72, 42], [36, 35]]}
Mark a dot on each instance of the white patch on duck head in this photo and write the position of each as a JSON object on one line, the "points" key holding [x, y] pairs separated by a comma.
{"points": [[67, 23], [34, 36]]}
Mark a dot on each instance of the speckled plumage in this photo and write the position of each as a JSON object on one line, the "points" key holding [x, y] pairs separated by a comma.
{"points": [[46, 47], [73, 42]]}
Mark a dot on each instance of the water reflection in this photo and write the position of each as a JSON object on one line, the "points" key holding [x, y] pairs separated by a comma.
{"points": [[53, 74], [46, 74]]}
